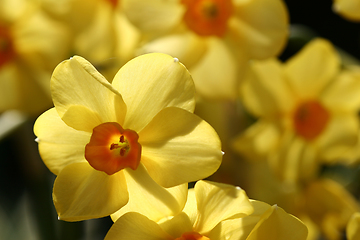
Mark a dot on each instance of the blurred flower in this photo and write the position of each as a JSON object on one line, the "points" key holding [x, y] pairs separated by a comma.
{"points": [[307, 110], [213, 211], [213, 38], [108, 142], [353, 227], [31, 44], [100, 31], [349, 9]]}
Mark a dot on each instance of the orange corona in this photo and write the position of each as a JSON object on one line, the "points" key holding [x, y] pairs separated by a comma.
{"points": [[208, 17], [111, 148], [192, 236], [310, 119]]}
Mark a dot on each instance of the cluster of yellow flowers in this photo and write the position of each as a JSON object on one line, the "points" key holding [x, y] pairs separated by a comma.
{"points": [[126, 143]]}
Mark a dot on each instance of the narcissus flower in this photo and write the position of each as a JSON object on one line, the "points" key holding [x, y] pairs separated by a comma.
{"points": [[349, 9], [353, 227], [31, 44], [106, 142], [213, 211], [213, 38], [307, 110]]}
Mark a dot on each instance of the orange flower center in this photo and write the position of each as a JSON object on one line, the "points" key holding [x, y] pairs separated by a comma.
{"points": [[113, 3], [7, 52], [208, 17], [192, 236], [310, 119], [111, 148]]}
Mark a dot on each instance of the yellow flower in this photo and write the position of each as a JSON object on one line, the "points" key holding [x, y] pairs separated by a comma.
{"points": [[31, 44], [106, 142], [349, 9], [213, 38], [213, 211], [307, 110], [353, 227]]}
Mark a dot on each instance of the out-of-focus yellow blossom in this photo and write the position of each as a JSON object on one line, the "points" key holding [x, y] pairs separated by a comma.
{"points": [[307, 110], [213, 38], [353, 227], [213, 211], [101, 32], [329, 206], [349, 9], [31, 44], [108, 142]]}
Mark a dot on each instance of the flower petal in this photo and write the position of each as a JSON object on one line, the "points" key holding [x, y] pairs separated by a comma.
{"points": [[216, 75], [260, 27], [347, 8], [150, 83], [187, 47], [77, 82], [179, 147], [309, 71], [217, 202], [153, 16], [135, 226], [276, 224], [59, 144], [191, 206], [258, 140], [150, 199], [344, 93], [340, 135], [177, 225], [81, 192], [265, 91], [353, 227]]}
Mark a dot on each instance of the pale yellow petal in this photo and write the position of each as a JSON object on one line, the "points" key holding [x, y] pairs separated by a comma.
{"points": [[59, 144], [258, 140], [216, 74], [191, 206], [276, 224], [135, 226], [217, 202], [77, 82], [344, 92], [353, 227], [339, 136], [81, 192], [309, 71], [260, 27], [179, 147], [153, 16], [150, 83], [265, 91], [350, 9], [150, 199], [187, 47]]}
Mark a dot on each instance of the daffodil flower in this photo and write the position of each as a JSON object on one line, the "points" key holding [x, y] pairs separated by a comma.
{"points": [[307, 110], [213, 38], [132, 138], [213, 211], [349, 9], [31, 44]]}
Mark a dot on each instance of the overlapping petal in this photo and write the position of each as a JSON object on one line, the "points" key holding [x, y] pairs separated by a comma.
{"points": [[59, 144], [312, 69], [353, 227], [150, 199], [81, 192], [75, 82], [266, 79], [176, 144], [217, 202], [349, 9], [136, 227], [149, 84], [260, 26]]}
